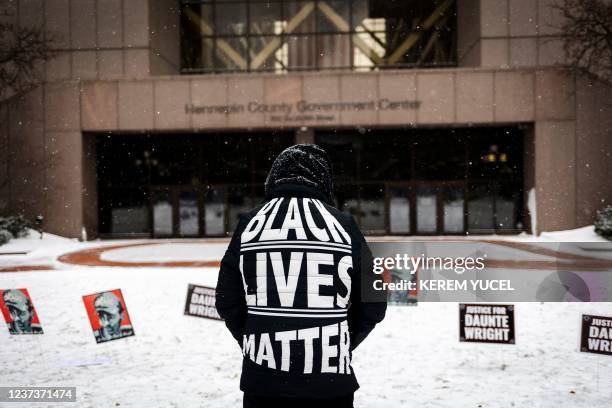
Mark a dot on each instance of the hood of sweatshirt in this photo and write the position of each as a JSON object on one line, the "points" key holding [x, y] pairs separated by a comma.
{"points": [[304, 165]]}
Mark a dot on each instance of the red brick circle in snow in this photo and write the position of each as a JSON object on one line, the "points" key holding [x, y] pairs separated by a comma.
{"points": [[93, 257]]}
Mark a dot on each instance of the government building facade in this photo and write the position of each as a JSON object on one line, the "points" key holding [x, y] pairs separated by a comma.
{"points": [[161, 118]]}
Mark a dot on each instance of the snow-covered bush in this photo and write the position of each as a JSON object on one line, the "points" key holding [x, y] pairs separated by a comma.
{"points": [[5, 237], [13, 226], [603, 222]]}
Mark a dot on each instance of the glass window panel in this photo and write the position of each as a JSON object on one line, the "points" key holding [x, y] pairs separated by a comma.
{"points": [[217, 169], [130, 212], [435, 44], [368, 48], [496, 153], [453, 210], [239, 203], [301, 51], [188, 213], [196, 21], [171, 164], [300, 17], [224, 54], [439, 156], [347, 199], [426, 210], [231, 18], [206, 55], [266, 18], [399, 210], [351, 206], [132, 155], [381, 33], [361, 11], [231, 53], [372, 205], [334, 51], [201, 17], [265, 150], [480, 208], [162, 213], [505, 206], [504, 213], [343, 149], [395, 166], [333, 16], [268, 53], [370, 39], [214, 212]]}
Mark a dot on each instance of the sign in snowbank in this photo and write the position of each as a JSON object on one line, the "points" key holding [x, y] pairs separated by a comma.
{"points": [[596, 335], [480, 323], [108, 315], [201, 302]]}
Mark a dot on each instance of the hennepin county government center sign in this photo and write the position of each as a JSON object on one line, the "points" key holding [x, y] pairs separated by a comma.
{"points": [[302, 109]]}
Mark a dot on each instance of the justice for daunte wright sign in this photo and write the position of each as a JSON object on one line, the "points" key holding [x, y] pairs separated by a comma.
{"points": [[482, 323], [201, 302], [596, 335]]}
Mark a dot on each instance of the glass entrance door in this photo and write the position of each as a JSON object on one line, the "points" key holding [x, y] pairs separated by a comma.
{"points": [[426, 208], [214, 211], [175, 211], [162, 203], [453, 209], [185, 211], [398, 208], [189, 213]]}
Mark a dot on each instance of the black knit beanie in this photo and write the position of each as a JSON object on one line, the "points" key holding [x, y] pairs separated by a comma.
{"points": [[302, 164]]}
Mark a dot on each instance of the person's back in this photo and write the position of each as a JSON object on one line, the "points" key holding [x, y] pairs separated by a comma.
{"points": [[289, 288]]}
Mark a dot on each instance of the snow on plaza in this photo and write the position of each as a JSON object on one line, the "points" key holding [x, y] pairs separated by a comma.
{"points": [[413, 358]]}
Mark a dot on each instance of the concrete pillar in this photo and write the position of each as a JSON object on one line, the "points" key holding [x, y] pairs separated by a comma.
{"points": [[530, 218], [164, 23], [90, 187], [5, 170], [593, 148], [468, 33], [64, 184], [555, 175], [26, 155]]}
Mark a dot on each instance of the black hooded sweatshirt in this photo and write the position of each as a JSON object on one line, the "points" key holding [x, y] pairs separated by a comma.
{"points": [[290, 285]]}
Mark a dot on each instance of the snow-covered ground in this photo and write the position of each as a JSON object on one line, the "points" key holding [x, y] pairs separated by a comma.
{"points": [[414, 358]]}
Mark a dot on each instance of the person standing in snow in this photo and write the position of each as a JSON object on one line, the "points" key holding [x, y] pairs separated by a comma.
{"points": [[290, 289]]}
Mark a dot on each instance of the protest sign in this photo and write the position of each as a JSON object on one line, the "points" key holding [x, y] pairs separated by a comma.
{"points": [[596, 335], [18, 311], [108, 315], [201, 302], [483, 323]]}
